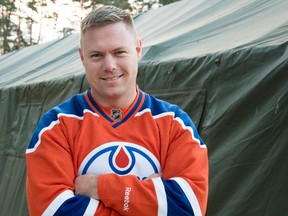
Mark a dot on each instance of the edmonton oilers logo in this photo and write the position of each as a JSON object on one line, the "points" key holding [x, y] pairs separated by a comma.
{"points": [[122, 158]]}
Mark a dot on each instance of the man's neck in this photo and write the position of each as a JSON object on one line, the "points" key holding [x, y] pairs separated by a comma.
{"points": [[123, 101]]}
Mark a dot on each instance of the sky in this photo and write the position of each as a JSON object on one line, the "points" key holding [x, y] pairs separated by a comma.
{"points": [[69, 16]]}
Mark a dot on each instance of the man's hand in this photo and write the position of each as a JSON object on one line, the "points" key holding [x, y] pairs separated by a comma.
{"points": [[87, 185]]}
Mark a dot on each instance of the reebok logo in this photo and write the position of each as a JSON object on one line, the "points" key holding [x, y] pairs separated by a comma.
{"points": [[126, 199]]}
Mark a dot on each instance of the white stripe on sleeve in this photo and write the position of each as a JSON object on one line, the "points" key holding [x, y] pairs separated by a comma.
{"points": [[92, 207], [57, 202], [190, 195], [161, 196]]}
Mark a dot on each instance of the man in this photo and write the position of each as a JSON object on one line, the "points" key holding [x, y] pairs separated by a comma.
{"points": [[115, 150]]}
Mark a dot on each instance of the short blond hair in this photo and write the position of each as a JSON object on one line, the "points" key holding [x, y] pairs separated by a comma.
{"points": [[106, 15]]}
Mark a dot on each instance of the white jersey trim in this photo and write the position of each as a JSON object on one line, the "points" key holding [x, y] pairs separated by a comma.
{"points": [[190, 195], [53, 123], [191, 131], [57, 202], [91, 208], [142, 112], [179, 120], [161, 196]]}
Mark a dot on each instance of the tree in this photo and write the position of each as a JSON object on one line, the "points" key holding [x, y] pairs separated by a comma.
{"points": [[165, 2], [18, 18], [8, 29], [30, 20], [43, 4], [92, 4], [139, 6]]}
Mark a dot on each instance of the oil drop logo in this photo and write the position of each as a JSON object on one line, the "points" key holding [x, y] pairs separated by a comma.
{"points": [[122, 158]]}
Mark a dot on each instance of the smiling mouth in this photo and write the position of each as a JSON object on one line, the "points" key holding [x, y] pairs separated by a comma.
{"points": [[112, 78]]}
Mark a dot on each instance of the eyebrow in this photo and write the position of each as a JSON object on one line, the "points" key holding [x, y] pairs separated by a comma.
{"points": [[94, 51], [116, 49], [120, 48]]}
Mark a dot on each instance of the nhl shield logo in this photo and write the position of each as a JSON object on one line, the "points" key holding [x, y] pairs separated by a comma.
{"points": [[116, 114]]}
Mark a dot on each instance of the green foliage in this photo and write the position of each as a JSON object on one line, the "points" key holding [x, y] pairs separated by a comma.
{"points": [[165, 2], [96, 3], [32, 5], [7, 27]]}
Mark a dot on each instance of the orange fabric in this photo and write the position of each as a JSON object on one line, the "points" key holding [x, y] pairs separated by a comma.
{"points": [[76, 145]]}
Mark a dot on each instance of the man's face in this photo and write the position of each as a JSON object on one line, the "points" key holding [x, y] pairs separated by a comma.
{"points": [[110, 55]]}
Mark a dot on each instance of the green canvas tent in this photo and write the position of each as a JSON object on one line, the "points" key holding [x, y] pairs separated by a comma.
{"points": [[224, 62]]}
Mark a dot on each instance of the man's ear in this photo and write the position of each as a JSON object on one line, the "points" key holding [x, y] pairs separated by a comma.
{"points": [[139, 49], [81, 55]]}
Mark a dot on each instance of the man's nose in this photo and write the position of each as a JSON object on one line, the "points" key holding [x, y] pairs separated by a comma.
{"points": [[109, 63]]}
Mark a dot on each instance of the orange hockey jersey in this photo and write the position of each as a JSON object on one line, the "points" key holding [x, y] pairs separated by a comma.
{"points": [[152, 136]]}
